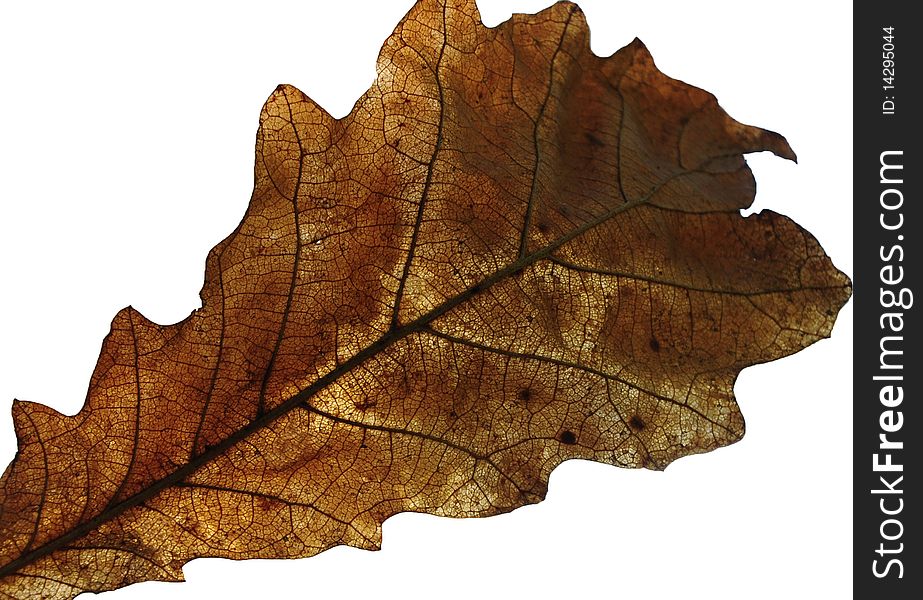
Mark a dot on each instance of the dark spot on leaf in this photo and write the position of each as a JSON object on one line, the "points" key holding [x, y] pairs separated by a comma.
{"points": [[655, 345], [525, 394], [594, 141], [366, 403], [636, 423], [568, 437]]}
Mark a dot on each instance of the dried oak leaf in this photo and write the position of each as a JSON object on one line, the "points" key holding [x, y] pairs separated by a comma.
{"points": [[511, 253]]}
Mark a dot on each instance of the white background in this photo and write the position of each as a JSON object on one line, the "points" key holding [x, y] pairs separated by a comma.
{"points": [[127, 152]]}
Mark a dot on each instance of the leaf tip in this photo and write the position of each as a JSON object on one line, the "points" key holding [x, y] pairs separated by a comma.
{"points": [[288, 102], [18, 412], [25, 414], [778, 145], [639, 47]]}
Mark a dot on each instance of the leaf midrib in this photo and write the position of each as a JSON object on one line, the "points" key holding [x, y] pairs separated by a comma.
{"points": [[302, 397]]}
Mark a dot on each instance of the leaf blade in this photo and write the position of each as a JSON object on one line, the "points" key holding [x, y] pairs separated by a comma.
{"points": [[156, 334]]}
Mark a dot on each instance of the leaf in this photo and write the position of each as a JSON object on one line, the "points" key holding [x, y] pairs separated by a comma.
{"points": [[511, 253]]}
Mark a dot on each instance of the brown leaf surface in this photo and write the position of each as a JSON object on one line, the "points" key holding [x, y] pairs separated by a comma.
{"points": [[511, 253]]}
